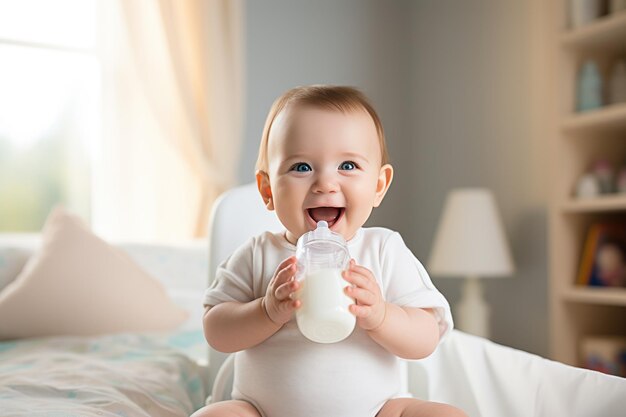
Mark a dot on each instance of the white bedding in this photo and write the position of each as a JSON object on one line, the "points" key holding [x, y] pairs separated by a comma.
{"points": [[490, 380], [130, 375]]}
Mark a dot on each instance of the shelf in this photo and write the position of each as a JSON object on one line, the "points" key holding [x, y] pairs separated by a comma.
{"points": [[615, 202], [592, 295], [607, 34], [605, 120], [578, 139]]}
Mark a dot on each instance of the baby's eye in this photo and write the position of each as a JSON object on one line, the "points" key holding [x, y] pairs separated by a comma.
{"points": [[301, 167], [347, 166]]}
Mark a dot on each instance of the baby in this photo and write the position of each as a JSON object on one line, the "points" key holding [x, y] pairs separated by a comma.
{"points": [[323, 157]]}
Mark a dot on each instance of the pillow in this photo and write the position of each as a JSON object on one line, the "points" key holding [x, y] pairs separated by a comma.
{"points": [[15, 249], [12, 261], [77, 284], [181, 268]]}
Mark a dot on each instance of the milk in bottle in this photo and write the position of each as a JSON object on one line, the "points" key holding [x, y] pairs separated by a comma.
{"points": [[323, 316]]}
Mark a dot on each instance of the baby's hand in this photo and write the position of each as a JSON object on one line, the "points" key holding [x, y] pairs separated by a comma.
{"points": [[278, 303], [370, 306]]}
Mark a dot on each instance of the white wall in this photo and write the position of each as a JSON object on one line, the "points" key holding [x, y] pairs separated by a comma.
{"points": [[472, 126], [451, 81], [362, 43]]}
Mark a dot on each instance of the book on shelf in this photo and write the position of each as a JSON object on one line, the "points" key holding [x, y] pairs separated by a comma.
{"points": [[604, 354], [603, 259]]}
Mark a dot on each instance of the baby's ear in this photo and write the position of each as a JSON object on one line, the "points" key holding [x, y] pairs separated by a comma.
{"points": [[263, 184], [385, 177]]}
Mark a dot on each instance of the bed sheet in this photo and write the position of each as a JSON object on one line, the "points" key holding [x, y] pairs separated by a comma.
{"points": [[128, 375], [486, 379]]}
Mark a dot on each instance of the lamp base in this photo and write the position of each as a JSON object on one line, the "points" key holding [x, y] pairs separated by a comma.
{"points": [[472, 311]]}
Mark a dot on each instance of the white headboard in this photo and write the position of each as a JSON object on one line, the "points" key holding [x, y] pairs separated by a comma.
{"points": [[237, 215]]}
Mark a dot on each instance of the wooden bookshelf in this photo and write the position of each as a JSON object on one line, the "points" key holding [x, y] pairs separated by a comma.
{"points": [[595, 205], [591, 295], [577, 139], [606, 120], [607, 33]]}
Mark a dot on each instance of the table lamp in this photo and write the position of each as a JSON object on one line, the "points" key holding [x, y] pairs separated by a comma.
{"points": [[470, 242]]}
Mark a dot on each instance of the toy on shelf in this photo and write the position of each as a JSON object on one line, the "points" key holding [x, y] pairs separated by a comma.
{"points": [[603, 259], [601, 179], [589, 88], [605, 354], [587, 187], [603, 171]]}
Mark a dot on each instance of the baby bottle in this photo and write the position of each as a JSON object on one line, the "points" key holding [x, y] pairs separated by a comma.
{"points": [[323, 316]]}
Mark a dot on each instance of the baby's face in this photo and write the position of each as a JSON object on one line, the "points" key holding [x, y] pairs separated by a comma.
{"points": [[324, 165]]}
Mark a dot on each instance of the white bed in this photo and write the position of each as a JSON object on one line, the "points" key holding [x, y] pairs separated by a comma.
{"points": [[121, 374]]}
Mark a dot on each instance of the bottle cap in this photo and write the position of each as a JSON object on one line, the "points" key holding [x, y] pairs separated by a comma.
{"points": [[321, 234]]}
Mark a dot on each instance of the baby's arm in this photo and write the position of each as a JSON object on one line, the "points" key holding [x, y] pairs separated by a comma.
{"points": [[234, 326], [408, 332], [399, 332]]}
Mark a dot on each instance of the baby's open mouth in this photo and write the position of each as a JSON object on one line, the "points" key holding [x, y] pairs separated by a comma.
{"points": [[330, 215]]}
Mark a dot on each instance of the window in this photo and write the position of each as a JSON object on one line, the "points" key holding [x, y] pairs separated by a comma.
{"points": [[49, 95]]}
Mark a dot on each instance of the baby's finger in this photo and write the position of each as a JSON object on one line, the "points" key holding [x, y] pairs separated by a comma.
{"points": [[284, 275], [285, 290], [358, 279], [361, 296], [360, 311], [362, 271], [288, 306]]}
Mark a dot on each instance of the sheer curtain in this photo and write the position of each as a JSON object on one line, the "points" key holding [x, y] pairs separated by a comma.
{"points": [[172, 115]]}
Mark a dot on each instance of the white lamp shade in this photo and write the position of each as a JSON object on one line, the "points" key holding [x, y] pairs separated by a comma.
{"points": [[470, 240]]}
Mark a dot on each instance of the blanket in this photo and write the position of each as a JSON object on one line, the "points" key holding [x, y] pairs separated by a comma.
{"points": [[129, 375]]}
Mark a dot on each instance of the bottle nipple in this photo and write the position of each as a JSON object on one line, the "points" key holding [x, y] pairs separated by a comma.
{"points": [[322, 231]]}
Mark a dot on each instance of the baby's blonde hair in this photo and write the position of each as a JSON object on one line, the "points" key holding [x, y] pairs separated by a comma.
{"points": [[343, 99]]}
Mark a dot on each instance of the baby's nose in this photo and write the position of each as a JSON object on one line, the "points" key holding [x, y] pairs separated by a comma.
{"points": [[325, 183]]}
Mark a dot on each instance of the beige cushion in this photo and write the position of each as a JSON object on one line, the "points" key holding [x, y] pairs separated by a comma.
{"points": [[77, 284]]}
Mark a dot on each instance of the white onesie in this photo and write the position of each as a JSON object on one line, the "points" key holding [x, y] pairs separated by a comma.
{"points": [[288, 375]]}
